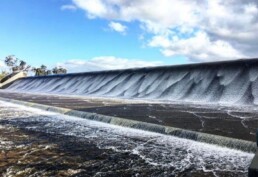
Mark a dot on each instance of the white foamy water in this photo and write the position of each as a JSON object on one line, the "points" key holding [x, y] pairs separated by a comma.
{"points": [[154, 148], [230, 84]]}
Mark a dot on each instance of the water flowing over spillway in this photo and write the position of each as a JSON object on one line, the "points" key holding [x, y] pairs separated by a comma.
{"points": [[231, 82]]}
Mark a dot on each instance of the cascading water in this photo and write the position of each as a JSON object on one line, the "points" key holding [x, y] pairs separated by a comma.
{"points": [[231, 82]]}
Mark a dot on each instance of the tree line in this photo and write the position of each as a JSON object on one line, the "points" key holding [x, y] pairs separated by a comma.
{"points": [[17, 65]]}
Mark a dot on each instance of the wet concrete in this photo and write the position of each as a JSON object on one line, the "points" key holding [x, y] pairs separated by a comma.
{"points": [[232, 122]]}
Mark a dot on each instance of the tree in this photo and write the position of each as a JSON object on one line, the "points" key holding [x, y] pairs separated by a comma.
{"points": [[63, 70], [55, 70], [22, 65], [43, 67], [15, 69], [12, 62], [49, 72], [17, 65], [41, 71], [59, 70], [27, 68], [36, 71]]}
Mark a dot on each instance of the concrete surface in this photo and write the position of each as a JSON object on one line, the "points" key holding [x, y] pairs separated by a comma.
{"points": [[12, 79]]}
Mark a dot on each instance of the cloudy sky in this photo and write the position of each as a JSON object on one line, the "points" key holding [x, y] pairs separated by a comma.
{"points": [[86, 35]]}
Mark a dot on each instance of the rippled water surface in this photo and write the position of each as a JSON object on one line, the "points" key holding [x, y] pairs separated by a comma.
{"points": [[163, 155]]}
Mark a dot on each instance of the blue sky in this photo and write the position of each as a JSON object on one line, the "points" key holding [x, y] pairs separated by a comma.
{"points": [[53, 32], [41, 33]]}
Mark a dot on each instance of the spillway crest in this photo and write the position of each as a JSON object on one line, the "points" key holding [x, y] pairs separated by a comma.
{"points": [[231, 82]]}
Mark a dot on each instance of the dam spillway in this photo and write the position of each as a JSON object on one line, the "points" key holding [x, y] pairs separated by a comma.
{"points": [[175, 88], [230, 83], [183, 94]]}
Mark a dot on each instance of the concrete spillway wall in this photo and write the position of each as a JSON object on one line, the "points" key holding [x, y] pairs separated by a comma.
{"points": [[11, 78], [230, 82]]}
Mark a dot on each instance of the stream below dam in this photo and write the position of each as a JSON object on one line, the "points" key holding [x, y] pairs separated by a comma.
{"points": [[39, 143]]}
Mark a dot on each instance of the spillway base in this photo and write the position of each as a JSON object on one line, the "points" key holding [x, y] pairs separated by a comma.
{"points": [[239, 144], [233, 122]]}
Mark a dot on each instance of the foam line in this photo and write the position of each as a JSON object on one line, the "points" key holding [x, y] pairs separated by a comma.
{"points": [[242, 145]]}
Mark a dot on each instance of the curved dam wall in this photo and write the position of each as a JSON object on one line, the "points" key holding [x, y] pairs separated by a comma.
{"points": [[230, 82]]}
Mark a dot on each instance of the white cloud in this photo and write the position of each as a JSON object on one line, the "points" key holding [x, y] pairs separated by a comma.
{"points": [[69, 7], [95, 8], [198, 48], [202, 30], [3, 66], [104, 63], [118, 27]]}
